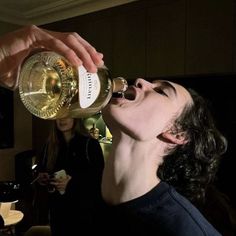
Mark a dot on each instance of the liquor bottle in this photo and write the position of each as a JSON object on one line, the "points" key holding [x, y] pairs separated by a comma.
{"points": [[51, 88]]}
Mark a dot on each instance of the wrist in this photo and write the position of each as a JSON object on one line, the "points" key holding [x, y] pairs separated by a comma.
{"points": [[10, 80]]}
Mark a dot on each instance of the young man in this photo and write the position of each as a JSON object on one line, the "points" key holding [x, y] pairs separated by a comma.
{"points": [[162, 134]]}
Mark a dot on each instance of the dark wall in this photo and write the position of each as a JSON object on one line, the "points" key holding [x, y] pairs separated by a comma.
{"points": [[6, 119]]}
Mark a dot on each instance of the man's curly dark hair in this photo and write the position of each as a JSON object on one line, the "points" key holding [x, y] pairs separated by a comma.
{"points": [[191, 167]]}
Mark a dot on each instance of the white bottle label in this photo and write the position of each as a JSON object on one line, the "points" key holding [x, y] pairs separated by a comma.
{"points": [[89, 87]]}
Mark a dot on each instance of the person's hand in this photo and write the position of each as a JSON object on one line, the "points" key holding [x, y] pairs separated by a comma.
{"points": [[60, 183], [43, 178], [17, 45]]}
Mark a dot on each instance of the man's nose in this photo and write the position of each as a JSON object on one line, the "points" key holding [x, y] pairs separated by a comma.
{"points": [[141, 83]]}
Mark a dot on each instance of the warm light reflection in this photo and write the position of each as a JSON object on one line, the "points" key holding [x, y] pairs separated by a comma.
{"points": [[108, 134]]}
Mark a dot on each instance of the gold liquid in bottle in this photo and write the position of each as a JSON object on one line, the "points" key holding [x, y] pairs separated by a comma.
{"points": [[50, 88]]}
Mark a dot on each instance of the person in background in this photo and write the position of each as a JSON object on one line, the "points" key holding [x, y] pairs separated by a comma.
{"points": [[80, 190], [17, 45], [165, 152]]}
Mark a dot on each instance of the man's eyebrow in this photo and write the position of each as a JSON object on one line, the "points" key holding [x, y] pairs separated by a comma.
{"points": [[167, 84]]}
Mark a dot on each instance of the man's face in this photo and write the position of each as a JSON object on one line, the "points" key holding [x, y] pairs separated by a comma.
{"points": [[148, 109]]}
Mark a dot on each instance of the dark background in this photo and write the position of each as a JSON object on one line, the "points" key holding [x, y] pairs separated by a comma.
{"points": [[6, 119]]}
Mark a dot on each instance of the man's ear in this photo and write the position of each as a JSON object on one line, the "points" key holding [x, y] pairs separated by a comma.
{"points": [[179, 138]]}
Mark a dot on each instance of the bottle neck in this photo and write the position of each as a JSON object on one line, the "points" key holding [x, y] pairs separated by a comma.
{"points": [[120, 85]]}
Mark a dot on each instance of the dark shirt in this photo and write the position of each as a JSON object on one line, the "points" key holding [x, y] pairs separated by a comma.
{"points": [[73, 211], [162, 211]]}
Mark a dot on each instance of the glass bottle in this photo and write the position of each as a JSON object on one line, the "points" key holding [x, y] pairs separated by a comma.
{"points": [[51, 88]]}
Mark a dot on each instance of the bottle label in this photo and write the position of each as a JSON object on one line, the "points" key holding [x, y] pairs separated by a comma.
{"points": [[89, 87]]}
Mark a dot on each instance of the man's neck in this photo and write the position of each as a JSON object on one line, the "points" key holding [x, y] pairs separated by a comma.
{"points": [[130, 172]]}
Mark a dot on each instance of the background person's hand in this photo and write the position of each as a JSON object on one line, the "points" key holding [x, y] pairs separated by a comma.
{"points": [[60, 183], [17, 45], [43, 178]]}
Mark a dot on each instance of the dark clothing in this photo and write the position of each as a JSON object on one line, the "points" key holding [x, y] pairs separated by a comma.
{"points": [[162, 211], [82, 159]]}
